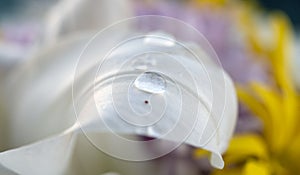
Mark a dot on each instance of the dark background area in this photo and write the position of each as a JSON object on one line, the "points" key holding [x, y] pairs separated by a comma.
{"points": [[8, 5], [290, 7]]}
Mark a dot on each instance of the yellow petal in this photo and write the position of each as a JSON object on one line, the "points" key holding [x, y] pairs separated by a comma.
{"points": [[201, 153], [256, 168], [229, 171], [243, 147], [273, 104], [256, 107], [281, 53], [278, 112], [293, 155], [251, 102], [212, 3]]}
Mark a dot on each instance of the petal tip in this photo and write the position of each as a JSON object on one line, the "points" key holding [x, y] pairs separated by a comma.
{"points": [[216, 161]]}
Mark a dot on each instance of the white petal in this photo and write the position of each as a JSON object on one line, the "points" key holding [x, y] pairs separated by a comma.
{"points": [[213, 130], [35, 102], [44, 96], [47, 157]]}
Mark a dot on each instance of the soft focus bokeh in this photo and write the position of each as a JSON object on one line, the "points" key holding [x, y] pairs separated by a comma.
{"points": [[257, 43]]}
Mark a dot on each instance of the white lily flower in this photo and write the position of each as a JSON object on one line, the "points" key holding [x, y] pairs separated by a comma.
{"points": [[45, 136], [29, 118]]}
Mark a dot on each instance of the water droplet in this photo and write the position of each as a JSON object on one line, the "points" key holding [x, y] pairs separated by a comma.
{"points": [[150, 82]]}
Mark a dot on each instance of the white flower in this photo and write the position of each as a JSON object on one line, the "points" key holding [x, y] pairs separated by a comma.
{"points": [[43, 136], [39, 105]]}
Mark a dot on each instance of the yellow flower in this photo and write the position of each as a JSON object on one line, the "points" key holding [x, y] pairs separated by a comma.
{"points": [[275, 151]]}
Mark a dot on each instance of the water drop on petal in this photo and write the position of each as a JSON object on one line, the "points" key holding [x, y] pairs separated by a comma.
{"points": [[150, 82]]}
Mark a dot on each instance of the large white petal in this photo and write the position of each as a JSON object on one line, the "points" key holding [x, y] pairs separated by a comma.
{"points": [[41, 106], [50, 156]]}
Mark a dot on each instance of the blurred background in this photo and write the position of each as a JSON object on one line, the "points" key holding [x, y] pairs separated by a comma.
{"points": [[24, 23], [10, 8], [257, 43]]}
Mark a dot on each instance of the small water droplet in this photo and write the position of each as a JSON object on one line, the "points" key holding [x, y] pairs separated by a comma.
{"points": [[150, 82]]}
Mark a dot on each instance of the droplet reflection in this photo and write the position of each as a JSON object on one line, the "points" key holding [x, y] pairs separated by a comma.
{"points": [[150, 82]]}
